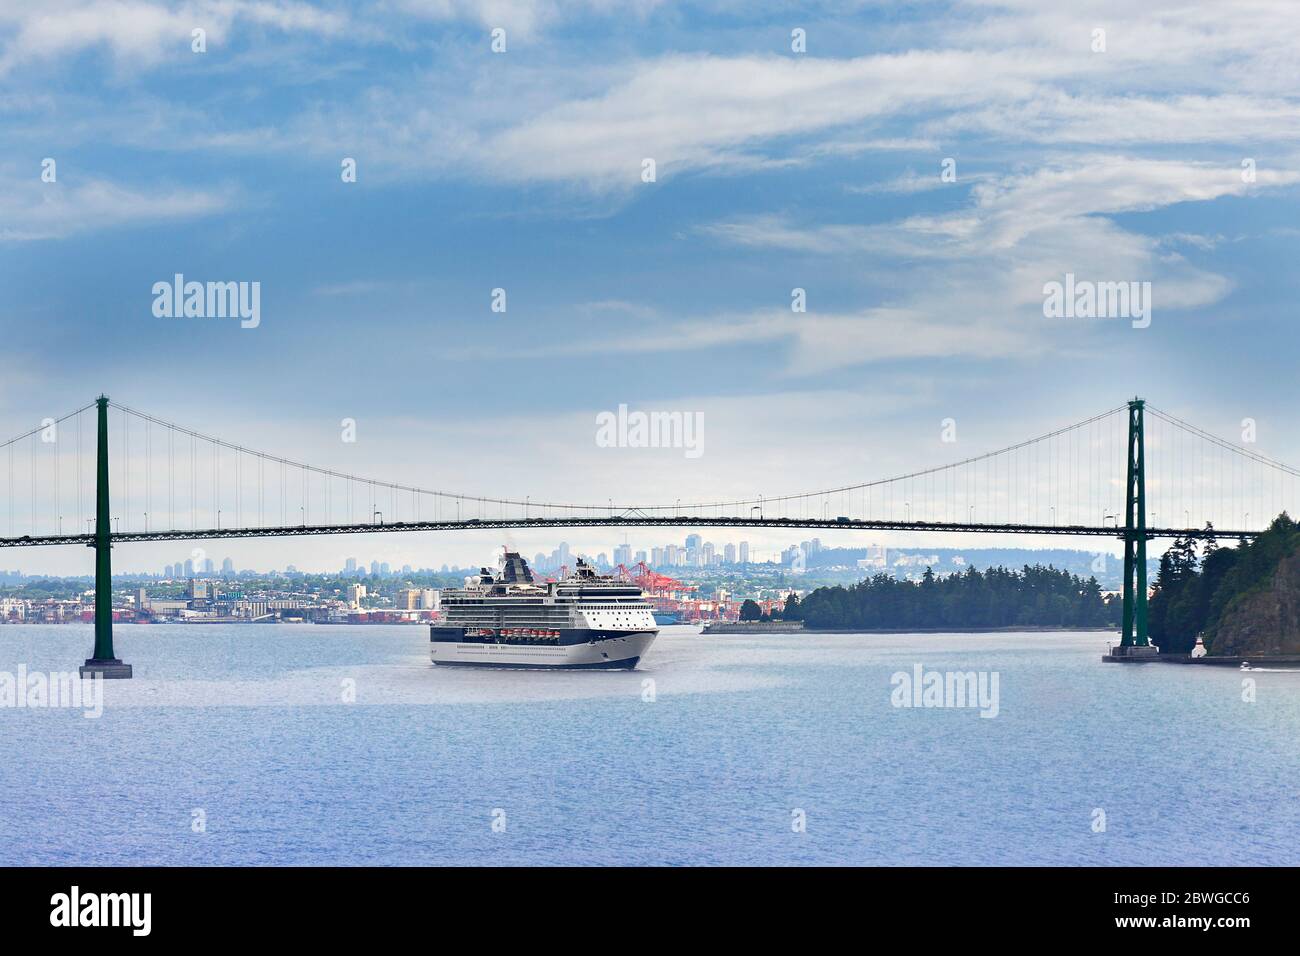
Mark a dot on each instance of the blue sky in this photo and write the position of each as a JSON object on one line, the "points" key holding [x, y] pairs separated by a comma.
{"points": [[522, 170]]}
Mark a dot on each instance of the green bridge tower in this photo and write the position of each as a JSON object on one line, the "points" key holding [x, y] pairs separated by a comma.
{"points": [[1134, 642], [103, 663]]}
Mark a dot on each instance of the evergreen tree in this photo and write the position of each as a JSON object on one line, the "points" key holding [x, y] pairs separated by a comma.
{"points": [[1033, 597]]}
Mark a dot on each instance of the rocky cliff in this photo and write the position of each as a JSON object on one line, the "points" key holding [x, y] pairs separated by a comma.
{"points": [[1264, 620]]}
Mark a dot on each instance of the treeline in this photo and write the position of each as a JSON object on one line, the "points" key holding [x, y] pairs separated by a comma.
{"points": [[1194, 591], [1038, 596]]}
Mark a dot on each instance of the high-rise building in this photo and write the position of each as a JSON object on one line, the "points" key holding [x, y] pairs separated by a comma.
{"points": [[744, 552], [657, 557], [623, 555], [227, 566], [374, 569], [729, 553], [877, 557], [693, 542], [706, 553], [350, 566]]}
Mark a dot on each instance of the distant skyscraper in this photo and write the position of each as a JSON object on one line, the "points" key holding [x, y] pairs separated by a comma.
{"points": [[729, 553], [350, 566], [227, 566], [744, 552], [189, 567], [657, 557], [693, 542], [374, 569]]}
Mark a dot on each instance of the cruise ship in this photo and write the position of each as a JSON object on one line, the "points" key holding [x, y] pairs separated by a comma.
{"points": [[585, 620]]}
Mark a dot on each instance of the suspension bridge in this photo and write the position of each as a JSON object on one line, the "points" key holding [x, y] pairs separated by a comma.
{"points": [[1116, 474]]}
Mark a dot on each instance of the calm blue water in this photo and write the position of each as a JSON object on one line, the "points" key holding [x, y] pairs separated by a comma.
{"points": [[247, 724]]}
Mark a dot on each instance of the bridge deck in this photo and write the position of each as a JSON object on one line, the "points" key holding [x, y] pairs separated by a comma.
{"points": [[631, 521]]}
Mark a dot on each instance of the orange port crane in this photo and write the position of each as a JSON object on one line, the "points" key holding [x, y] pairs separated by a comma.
{"points": [[652, 582]]}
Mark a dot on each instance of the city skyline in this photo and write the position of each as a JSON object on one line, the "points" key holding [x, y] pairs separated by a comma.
{"points": [[873, 557]]}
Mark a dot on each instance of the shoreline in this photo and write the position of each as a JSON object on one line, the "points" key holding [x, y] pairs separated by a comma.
{"points": [[1263, 660], [776, 628]]}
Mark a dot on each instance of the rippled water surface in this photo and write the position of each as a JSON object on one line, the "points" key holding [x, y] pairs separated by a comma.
{"points": [[247, 728]]}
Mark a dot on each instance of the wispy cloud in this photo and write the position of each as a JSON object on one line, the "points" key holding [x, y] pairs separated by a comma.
{"points": [[979, 271], [1004, 212], [139, 33], [524, 18], [31, 209]]}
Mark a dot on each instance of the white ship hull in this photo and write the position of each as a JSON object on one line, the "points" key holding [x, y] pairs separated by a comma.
{"points": [[613, 653]]}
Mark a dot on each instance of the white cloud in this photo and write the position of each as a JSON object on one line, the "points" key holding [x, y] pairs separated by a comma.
{"points": [[1170, 75], [1057, 117], [908, 183], [979, 272], [522, 18], [1006, 211], [139, 33], [31, 209], [691, 111], [1027, 76]]}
